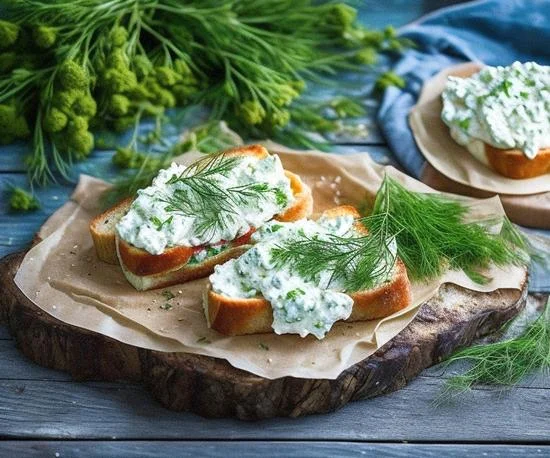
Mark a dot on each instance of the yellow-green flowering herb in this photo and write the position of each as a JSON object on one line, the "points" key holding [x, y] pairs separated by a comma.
{"points": [[68, 68], [22, 201], [389, 79]]}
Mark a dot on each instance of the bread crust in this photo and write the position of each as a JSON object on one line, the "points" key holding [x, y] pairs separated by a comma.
{"points": [[512, 163], [102, 231], [238, 316], [147, 271]]}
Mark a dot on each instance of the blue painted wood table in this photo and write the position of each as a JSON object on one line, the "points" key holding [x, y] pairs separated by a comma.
{"points": [[44, 412]]}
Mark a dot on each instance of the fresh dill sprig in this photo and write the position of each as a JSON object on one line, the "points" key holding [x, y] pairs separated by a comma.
{"points": [[205, 198], [506, 362], [432, 234], [429, 230], [356, 262], [206, 138]]}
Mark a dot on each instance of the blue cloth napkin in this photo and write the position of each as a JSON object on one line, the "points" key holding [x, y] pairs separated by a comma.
{"points": [[495, 32]]}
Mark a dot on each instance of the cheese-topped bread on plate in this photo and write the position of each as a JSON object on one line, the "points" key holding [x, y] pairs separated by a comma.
{"points": [[193, 217], [501, 115], [301, 277]]}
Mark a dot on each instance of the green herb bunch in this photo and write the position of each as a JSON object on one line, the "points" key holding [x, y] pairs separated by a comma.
{"points": [[431, 235], [213, 205], [506, 362], [67, 68]]}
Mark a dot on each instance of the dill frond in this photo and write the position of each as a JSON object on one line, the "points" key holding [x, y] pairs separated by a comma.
{"points": [[432, 234], [356, 262], [205, 198], [506, 362]]}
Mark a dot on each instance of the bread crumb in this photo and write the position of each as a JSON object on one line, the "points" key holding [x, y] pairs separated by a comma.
{"points": [[269, 360], [338, 179]]}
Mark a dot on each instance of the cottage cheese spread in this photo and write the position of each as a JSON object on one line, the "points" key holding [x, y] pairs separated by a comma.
{"points": [[151, 226], [506, 107], [300, 306]]}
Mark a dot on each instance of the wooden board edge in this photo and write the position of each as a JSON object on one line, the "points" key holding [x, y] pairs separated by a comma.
{"points": [[212, 387]]}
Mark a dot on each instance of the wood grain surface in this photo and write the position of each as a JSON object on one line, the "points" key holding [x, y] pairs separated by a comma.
{"points": [[224, 449], [213, 388]]}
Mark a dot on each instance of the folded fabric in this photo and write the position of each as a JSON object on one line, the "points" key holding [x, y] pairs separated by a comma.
{"points": [[495, 32]]}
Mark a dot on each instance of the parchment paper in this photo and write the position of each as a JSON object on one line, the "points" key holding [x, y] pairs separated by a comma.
{"points": [[63, 277], [448, 157]]}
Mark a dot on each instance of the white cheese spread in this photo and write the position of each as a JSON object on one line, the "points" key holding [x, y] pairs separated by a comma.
{"points": [[153, 225], [506, 107], [300, 306]]}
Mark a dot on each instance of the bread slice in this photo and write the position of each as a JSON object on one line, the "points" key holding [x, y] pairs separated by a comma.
{"points": [[102, 228], [147, 271], [512, 163], [238, 316]]}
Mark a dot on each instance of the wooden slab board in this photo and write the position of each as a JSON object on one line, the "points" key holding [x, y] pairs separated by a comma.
{"points": [[213, 388]]}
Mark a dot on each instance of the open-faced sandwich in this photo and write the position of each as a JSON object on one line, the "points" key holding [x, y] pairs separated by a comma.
{"points": [[502, 116], [192, 218], [301, 277]]}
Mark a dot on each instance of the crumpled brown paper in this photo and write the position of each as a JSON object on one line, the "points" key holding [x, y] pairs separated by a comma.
{"points": [[62, 276], [448, 157]]}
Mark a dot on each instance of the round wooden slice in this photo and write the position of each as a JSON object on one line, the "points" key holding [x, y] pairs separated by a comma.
{"points": [[213, 388]]}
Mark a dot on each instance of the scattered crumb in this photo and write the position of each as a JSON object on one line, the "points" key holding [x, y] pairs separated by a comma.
{"points": [[54, 307], [269, 360], [338, 179], [180, 292], [49, 278], [357, 334]]}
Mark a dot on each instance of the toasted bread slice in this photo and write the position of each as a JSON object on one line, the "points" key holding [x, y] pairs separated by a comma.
{"points": [[147, 271], [102, 228], [512, 163], [238, 316]]}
